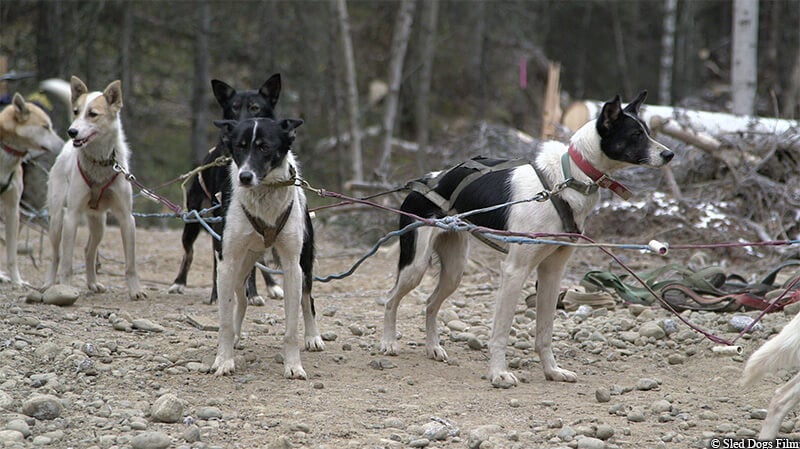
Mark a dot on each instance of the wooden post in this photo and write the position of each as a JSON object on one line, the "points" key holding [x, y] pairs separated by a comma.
{"points": [[551, 114], [3, 70]]}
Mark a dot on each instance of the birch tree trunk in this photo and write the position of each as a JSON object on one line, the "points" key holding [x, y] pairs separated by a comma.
{"points": [[430, 14], [200, 84], [745, 52], [793, 90], [667, 52], [352, 91], [402, 29]]}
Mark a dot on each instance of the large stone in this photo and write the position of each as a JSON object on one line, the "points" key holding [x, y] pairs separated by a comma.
{"points": [[168, 408], [42, 407], [61, 295], [151, 440]]}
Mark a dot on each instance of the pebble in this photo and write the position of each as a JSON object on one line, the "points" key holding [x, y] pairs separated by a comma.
{"points": [[20, 426], [661, 406], [604, 431], [9, 437], [636, 415], [652, 329], [61, 295], [419, 442], [43, 407], [357, 330], [591, 443], [676, 359], [151, 440], [647, 384], [474, 343], [209, 413], [146, 325], [758, 413], [192, 434], [168, 409], [602, 395], [382, 364], [282, 442], [394, 423], [457, 326], [738, 323]]}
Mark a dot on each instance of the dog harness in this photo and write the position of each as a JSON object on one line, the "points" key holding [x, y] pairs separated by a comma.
{"points": [[15, 153], [96, 193], [268, 233], [600, 179], [427, 189]]}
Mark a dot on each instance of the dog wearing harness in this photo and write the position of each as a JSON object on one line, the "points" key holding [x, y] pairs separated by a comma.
{"points": [[84, 182], [25, 131], [267, 210], [616, 139]]}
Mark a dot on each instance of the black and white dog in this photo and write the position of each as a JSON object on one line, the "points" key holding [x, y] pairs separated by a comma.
{"points": [[618, 138], [266, 210], [215, 180]]}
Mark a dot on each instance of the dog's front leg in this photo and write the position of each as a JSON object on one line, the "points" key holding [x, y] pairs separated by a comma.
{"points": [[127, 226], [66, 250], [550, 272], [292, 289], [11, 209], [514, 272], [224, 363], [97, 226], [785, 399]]}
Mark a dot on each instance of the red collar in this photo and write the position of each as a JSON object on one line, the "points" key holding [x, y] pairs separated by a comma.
{"points": [[599, 178], [13, 151]]}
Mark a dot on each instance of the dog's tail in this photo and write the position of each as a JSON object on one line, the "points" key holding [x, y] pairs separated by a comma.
{"points": [[58, 88], [782, 351]]}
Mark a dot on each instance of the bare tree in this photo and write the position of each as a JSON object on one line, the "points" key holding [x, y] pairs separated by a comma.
{"points": [[790, 98], [667, 52], [430, 14], [744, 63], [200, 114], [352, 91], [402, 29], [125, 75]]}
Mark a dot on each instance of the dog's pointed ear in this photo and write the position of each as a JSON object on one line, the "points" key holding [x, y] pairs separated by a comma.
{"points": [[633, 106], [226, 128], [21, 110], [222, 92], [77, 88], [609, 114], [271, 89], [113, 94], [289, 125]]}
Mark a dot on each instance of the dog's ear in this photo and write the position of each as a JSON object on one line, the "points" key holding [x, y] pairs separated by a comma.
{"points": [[226, 128], [21, 111], [633, 106], [610, 113], [222, 92], [77, 88], [113, 94], [290, 124], [271, 89]]}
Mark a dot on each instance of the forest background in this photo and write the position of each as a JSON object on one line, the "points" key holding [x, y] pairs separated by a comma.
{"points": [[404, 76]]}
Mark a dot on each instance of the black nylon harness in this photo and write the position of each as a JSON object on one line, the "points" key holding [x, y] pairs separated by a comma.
{"points": [[426, 188], [269, 233]]}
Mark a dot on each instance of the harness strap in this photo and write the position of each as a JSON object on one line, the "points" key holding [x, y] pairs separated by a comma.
{"points": [[562, 207], [96, 194], [268, 233], [8, 182]]}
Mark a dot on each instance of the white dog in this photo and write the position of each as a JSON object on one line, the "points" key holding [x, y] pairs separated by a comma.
{"points": [[85, 181], [780, 352], [25, 129]]}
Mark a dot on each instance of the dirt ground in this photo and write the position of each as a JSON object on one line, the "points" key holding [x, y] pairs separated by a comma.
{"points": [[670, 392]]}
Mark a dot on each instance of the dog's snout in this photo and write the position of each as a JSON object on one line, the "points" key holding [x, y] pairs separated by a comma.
{"points": [[667, 155], [72, 132], [246, 177]]}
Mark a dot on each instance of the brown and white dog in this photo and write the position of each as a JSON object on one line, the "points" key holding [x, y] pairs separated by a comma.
{"points": [[25, 129], [85, 181]]}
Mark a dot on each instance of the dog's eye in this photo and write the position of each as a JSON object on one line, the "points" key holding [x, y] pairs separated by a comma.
{"points": [[254, 108], [236, 106], [92, 114], [75, 112]]}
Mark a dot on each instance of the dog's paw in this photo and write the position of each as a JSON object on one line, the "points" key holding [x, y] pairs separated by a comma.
{"points": [[96, 287], [294, 372], [504, 379], [4, 278], [314, 344], [390, 347], [560, 375], [256, 301], [176, 289], [138, 296], [223, 367], [275, 292], [437, 353]]}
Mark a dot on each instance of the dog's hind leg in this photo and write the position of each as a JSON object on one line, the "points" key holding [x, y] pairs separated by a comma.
{"points": [[253, 298], [97, 226], [785, 399], [11, 214], [408, 278], [452, 251], [273, 289], [550, 272]]}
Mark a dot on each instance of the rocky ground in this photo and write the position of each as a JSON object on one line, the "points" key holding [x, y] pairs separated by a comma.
{"points": [[110, 373]]}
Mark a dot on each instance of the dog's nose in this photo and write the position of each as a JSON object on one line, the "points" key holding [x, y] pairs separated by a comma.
{"points": [[72, 132], [246, 177], [667, 155]]}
